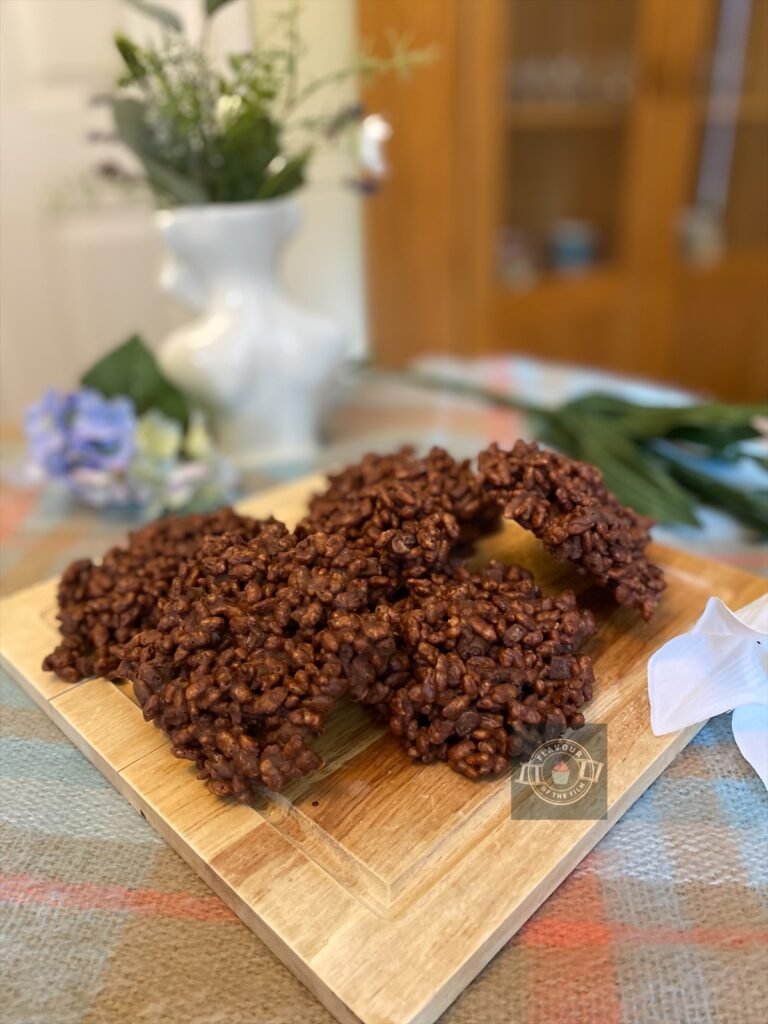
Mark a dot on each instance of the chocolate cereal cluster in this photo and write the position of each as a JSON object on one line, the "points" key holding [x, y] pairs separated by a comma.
{"points": [[103, 604], [494, 668], [567, 505], [257, 641], [240, 635], [415, 513]]}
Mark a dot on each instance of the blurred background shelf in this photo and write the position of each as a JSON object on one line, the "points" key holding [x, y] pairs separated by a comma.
{"points": [[584, 181], [541, 115], [568, 293]]}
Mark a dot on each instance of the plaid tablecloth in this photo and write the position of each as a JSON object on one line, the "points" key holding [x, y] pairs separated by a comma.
{"points": [[665, 921]]}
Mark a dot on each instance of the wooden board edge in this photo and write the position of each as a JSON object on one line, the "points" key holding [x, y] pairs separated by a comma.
{"points": [[27, 685], [249, 917], [270, 501]]}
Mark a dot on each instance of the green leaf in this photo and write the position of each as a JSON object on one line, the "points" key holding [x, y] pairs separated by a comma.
{"points": [[717, 436], [173, 185], [245, 150], [211, 6], [286, 180], [129, 117], [761, 460], [132, 370], [131, 55], [130, 124], [167, 18], [718, 421], [549, 430], [750, 507]]}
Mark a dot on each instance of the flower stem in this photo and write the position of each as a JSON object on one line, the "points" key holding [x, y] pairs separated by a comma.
{"points": [[432, 382]]}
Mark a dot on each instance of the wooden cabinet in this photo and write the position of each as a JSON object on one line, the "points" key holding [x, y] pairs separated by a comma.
{"points": [[584, 180]]}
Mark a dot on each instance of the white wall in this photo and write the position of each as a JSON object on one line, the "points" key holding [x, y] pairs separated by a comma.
{"points": [[52, 57], [72, 286]]}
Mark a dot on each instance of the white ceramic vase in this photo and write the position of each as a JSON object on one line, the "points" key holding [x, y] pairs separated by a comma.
{"points": [[260, 364]]}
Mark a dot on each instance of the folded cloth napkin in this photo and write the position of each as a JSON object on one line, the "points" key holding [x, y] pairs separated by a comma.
{"points": [[721, 665]]}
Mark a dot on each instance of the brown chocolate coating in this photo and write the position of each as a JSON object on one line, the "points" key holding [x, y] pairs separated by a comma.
{"points": [[103, 604], [256, 642], [567, 505], [415, 513], [494, 668]]}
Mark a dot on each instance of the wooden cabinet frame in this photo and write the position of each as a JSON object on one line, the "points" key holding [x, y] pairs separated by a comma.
{"points": [[431, 233]]}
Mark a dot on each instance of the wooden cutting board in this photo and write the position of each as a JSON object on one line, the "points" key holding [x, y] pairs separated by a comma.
{"points": [[384, 886]]}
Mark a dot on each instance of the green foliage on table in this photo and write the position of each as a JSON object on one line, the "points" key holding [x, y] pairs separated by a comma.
{"points": [[203, 135], [646, 453], [132, 370], [653, 458]]}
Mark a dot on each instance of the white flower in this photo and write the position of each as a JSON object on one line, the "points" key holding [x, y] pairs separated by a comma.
{"points": [[375, 132], [276, 164], [157, 436], [198, 444], [183, 483], [227, 107]]}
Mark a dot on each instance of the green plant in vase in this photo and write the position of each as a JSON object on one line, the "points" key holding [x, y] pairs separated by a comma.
{"points": [[224, 149], [240, 133]]}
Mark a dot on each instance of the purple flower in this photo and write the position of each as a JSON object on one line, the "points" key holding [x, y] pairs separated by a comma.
{"points": [[81, 430], [365, 185], [45, 425]]}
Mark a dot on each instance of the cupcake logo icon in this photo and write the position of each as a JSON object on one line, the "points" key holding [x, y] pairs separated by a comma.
{"points": [[561, 771]]}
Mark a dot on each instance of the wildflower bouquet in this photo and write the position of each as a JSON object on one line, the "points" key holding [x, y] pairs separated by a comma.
{"points": [[209, 135]]}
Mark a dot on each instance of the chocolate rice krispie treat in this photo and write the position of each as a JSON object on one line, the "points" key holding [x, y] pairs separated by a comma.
{"points": [[104, 603], [567, 505], [240, 636], [494, 668], [256, 642], [415, 513]]}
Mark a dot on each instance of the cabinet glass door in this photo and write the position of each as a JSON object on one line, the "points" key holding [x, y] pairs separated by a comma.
{"points": [[568, 91]]}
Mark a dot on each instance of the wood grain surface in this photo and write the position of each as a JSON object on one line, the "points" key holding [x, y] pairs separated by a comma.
{"points": [[384, 886]]}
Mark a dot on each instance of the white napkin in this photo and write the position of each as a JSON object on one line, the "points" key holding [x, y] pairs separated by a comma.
{"points": [[721, 665]]}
